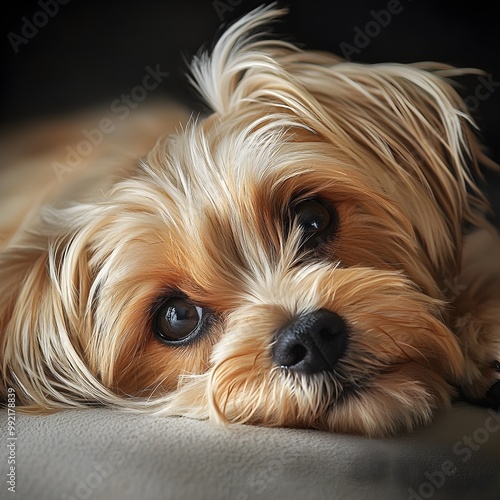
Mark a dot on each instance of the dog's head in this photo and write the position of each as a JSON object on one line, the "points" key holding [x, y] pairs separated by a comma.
{"points": [[280, 262]]}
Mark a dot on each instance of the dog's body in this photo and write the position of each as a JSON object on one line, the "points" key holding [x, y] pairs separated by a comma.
{"points": [[297, 258]]}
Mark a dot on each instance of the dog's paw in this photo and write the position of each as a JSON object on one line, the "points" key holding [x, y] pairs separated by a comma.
{"points": [[479, 335], [477, 325]]}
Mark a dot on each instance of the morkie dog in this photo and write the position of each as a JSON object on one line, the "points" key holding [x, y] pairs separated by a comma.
{"points": [[313, 253]]}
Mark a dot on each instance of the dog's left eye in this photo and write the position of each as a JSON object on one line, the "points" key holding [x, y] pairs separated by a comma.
{"points": [[316, 219], [177, 320]]}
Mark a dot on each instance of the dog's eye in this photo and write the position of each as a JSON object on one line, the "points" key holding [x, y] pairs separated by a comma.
{"points": [[316, 219], [312, 216], [177, 320]]}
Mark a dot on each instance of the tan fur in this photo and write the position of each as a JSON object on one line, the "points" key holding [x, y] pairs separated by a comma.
{"points": [[390, 146]]}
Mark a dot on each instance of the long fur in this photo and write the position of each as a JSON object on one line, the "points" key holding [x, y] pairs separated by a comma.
{"points": [[390, 145]]}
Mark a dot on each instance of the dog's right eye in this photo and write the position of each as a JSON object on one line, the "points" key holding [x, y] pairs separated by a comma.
{"points": [[177, 320], [317, 220], [312, 216]]}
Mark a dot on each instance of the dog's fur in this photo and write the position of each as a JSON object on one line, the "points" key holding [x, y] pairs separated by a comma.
{"points": [[209, 215]]}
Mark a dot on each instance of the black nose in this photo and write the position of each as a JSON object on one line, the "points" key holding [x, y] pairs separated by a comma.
{"points": [[312, 343]]}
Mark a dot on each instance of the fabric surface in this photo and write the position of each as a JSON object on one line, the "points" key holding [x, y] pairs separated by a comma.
{"points": [[104, 454]]}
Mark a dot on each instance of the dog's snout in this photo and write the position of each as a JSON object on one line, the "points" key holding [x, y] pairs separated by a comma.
{"points": [[312, 343]]}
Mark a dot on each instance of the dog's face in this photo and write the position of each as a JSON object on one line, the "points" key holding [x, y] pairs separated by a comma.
{"points": [[278, 263]]}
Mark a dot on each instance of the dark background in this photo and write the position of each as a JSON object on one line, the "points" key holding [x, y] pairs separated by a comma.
{"points": [[90, 52]]}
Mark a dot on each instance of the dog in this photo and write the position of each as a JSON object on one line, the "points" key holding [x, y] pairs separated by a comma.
{"points": [[314, 253]]}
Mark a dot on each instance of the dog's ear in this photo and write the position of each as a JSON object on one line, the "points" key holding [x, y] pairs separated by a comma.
{"points": [[411, 132], [49, 342], [403, 127], [44, 286], [220, 76]]}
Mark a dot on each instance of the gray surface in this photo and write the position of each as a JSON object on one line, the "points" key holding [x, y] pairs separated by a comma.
{"points": [[103, 454]]}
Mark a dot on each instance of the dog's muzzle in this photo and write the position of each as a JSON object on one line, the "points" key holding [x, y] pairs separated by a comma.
{"points": [[311, 343]]}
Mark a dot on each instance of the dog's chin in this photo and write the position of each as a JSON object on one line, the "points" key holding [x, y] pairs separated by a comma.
{"points": [[384, 404], [388, 404]]}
